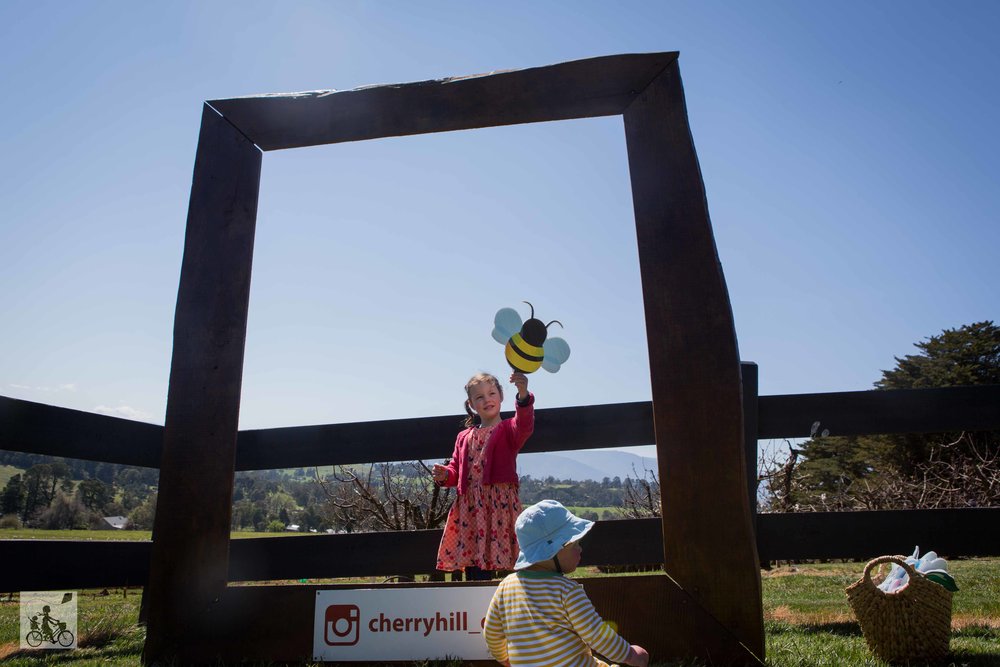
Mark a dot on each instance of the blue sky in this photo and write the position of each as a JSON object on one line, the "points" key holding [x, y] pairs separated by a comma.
{"points": [[849, 151]]}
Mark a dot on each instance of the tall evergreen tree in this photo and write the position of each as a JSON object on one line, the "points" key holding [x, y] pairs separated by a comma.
{"points": [[969, 355], [12, 497], [94, 494], [877, 471]]}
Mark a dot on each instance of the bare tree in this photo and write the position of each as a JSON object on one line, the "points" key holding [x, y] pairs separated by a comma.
{"points": [[641, 501], [945, 480], [964, 472], [386, 496], [775, 477], [642, 495]]}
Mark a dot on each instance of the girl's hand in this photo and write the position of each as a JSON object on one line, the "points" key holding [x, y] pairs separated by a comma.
{"points": [[520, 380], [440, 473]]}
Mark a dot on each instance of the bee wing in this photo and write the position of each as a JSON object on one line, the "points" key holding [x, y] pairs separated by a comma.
{"points": [[507, 322], [556, 354]]}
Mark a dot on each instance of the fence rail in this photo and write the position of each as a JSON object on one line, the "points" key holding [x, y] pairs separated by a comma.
{"points": [[44, 429], [40, 564]]}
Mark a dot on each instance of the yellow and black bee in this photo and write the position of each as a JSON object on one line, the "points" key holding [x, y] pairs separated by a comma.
{"points": [[527, 346]]}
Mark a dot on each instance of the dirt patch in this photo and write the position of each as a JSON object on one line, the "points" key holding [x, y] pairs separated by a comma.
{"points": [[789, 570], [967, 621], [784, 614], [8, 649]]}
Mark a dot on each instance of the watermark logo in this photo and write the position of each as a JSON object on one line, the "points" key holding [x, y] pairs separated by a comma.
{"points": [[48, 619]]}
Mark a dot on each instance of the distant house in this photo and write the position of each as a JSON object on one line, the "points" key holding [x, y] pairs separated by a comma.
{"points": [[114, 523]]}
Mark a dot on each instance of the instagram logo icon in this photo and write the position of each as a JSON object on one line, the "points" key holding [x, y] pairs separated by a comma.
{"points": [[343, 622]]}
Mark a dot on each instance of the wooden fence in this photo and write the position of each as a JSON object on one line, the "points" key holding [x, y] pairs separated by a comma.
{"points": [[63, 564]]}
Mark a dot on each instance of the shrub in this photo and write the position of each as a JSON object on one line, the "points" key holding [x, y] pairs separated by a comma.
{"points": [[65, 512]]}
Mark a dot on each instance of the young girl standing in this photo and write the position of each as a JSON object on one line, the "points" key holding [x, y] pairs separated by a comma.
{"points": [[479, 533]]}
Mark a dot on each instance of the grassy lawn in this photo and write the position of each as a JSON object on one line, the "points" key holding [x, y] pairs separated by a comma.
{"points": [[807, 621], [580, 510]]}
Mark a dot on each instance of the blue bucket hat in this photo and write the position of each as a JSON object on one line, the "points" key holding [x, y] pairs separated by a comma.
{"points": [[543, 529]]}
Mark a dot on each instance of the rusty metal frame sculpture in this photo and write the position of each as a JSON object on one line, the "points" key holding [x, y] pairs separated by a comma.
{"points": [[709, 605]]}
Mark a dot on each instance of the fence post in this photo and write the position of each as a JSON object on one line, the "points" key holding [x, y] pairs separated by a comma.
{"points": [[189, 561], [748, 372], [694, 367]]}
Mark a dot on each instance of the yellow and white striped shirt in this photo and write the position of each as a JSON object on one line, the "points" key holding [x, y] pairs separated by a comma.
{"points": [[544, 619]]}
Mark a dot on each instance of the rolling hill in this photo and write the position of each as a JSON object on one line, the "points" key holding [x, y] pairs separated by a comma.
{"points": [[588, 464]]}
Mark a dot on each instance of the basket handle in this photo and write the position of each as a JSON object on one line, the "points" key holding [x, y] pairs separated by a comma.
{"points": [[898, 560]]}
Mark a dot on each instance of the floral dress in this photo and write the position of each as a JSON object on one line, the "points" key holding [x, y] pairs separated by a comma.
{"points": [[480, 527]]}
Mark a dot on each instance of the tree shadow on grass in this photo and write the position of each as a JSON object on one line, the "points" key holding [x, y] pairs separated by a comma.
{"points": [[839, 628], [961, 659], [973, 630]]}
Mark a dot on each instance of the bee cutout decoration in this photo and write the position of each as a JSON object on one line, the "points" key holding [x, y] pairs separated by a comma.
{"points": [[527, 346]]}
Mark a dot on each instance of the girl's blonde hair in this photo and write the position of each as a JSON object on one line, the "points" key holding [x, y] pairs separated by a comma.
{"points": [[473, 419]]}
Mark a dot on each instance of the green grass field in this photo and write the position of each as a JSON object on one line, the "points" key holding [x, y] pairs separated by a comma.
{"points": [[579, 510], [807, 621]]}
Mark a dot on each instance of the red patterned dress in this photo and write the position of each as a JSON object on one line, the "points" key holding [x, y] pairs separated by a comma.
{"points": [[480, 527]]}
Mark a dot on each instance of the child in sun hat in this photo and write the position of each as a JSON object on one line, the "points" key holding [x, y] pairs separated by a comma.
{"points": [[537, 615]]}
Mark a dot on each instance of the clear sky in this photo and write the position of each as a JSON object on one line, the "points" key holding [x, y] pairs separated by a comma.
{"points": [[849, 149]]}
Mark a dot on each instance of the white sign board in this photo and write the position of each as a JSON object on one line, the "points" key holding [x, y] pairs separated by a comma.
{"points": [[401, 623]]}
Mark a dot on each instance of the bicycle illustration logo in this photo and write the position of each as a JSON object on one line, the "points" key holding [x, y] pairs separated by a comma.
{"points": [[49, 629], [48, 620]]}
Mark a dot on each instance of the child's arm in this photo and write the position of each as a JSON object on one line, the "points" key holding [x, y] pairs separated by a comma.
{"points": [[596, 633], [520, 380], [447, 475], [524, 411], [496, 643], [441, 474]]}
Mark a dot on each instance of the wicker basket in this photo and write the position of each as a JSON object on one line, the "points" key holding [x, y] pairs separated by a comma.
{"points": [[914, 623]]}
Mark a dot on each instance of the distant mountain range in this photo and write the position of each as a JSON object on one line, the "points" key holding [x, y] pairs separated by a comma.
{"points": [[588, 464]]}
